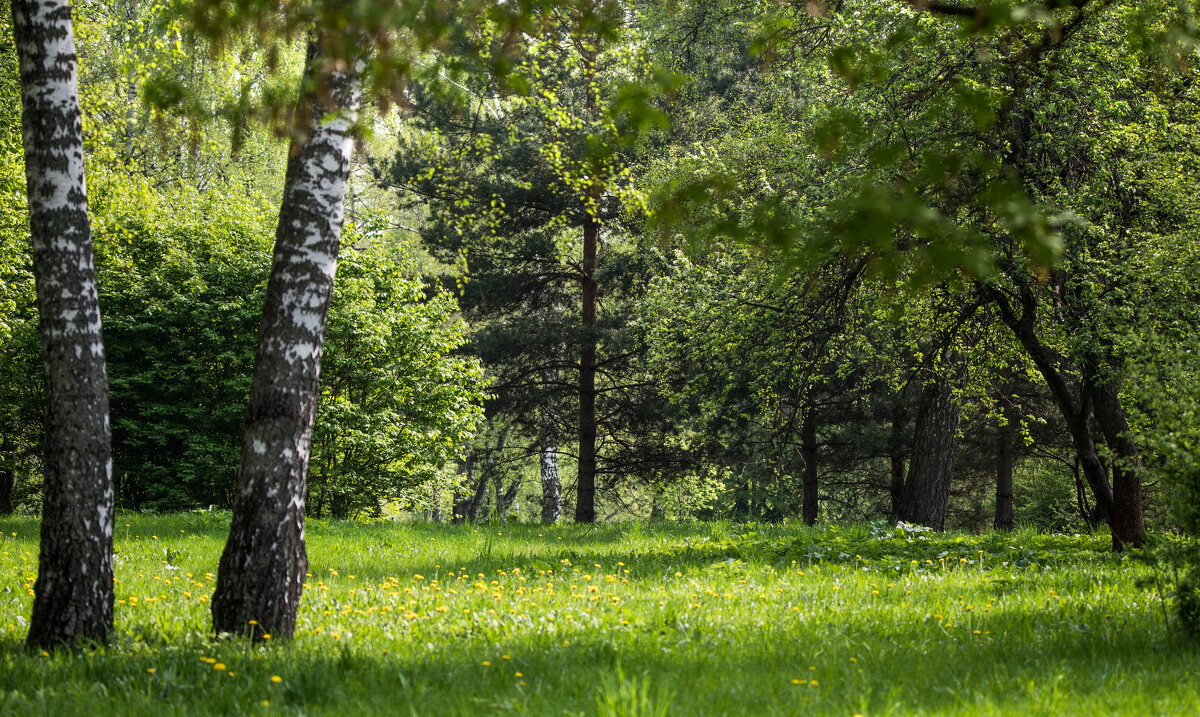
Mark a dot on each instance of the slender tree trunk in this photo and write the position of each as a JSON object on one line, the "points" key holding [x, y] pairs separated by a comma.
{"points": [[435, 511], [898, 450], [506, 499], [8, 486], [1128, 521], [935, 442], [808, 439], [585, 504], [551, 486], [462, 496], [478, 498], [1076, 412], [1005, 435], [73, 595], [261, 573]]}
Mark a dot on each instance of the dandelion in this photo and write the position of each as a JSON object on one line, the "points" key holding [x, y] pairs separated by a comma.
{"points": [[486, 663], [276, 679], [151, 670], [517, 674], [218, 665], [266, 636]]}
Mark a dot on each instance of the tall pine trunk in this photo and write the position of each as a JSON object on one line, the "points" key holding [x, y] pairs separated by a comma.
{"points": [[934, 444], [585, 504], [73, 595], [261, 572]]}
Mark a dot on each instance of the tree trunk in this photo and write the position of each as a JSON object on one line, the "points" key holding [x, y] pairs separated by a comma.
{"points": [[898, 451], [435, 510], [1128, 522], [74, 589], [808, 438], [551, 486], [1005, 435], [585, 504], [477, 499], [8, 486], [1076, 412], [461, 508], [506, 499], [935, 442], [261, 573]]}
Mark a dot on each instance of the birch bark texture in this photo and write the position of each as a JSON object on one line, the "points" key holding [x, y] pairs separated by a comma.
{"points": [[73, 595], [262, 569]]}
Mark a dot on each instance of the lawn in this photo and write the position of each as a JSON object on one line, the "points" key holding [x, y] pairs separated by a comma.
{"points": [[623, 619]]}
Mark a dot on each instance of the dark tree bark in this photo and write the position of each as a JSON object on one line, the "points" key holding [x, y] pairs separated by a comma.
{"points": [[1128, 521], [585, 503], [1005, 438], [261, 573], [73, 595], [1076, 412], [8, 486], [934, 444], [898, 452], [808, 447], [467, 495]]}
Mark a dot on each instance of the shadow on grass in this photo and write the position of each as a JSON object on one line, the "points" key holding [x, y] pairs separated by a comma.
{"points": [[1021, 667]]}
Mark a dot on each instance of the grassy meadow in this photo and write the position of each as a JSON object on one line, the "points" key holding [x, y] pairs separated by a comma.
{"points": [[621, 619]]}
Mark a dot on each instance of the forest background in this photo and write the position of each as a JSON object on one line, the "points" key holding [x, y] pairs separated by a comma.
{"points": [[753, 260]]}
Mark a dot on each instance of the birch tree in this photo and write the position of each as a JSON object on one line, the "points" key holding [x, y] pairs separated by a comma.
{"points": [[73, 595], [261, 573]]}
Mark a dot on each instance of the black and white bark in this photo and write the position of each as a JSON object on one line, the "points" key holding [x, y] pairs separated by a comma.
{"points": [[73, 595], [548, 461], [261, 573], [934, 445], [551, 484]]}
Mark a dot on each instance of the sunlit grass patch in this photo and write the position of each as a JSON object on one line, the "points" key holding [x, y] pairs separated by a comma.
{"points": [[620, 619]]}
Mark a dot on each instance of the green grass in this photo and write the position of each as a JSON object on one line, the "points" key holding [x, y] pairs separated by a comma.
{"points": [[683, 619]]}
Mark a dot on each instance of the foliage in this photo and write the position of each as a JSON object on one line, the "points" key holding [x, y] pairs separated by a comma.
{"points": [[852, 626]]}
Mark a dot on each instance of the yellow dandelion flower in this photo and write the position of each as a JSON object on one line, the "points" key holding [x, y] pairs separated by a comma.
{"points": [[151, 670], [276, 679], [486, 663], [219, 666]]}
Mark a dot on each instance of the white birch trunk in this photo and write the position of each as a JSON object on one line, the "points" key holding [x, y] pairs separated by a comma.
{"points": [[74, 589], [261, 573]]}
